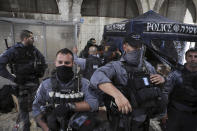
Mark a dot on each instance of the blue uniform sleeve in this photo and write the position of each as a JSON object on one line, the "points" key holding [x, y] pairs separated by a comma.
{"points": [[40, 99], [103, 74], [80, 62], [90, 96], [5, 58]]}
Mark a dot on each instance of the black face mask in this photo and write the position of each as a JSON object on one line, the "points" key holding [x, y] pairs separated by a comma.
{"points": [[132, 57], [64, 73]]}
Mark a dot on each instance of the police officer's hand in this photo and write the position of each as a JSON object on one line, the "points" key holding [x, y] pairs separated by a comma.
{"points": [[63, 109], [157, 79], [123, 104]]}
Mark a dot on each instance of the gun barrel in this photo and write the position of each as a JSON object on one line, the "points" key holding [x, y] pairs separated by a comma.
{"points": [[6, 43]]}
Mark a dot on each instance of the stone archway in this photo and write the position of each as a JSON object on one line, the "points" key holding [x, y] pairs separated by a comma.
{"points": [[158, 5], [70, 9], [176, 10], [140, 6], [195, 6], [108, 8], [94, 24], [173, 9]]}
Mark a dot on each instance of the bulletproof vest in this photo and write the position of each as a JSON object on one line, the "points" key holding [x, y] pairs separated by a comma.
{"points": [[140, 92], [92, 63], [27, 64], [72, 93], [185, 91], [24, 62]]}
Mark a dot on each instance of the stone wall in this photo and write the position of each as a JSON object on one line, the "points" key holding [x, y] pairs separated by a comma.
{"points": [[70, 11], [57, 37], [93, 28]]}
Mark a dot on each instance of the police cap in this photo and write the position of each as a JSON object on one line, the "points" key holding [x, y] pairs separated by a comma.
{"points": [[134, 40]]}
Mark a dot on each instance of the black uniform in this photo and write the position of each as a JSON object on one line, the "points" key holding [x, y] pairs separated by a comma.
{"points": [[88, 65], [182, 108], [92, 63], [28, 65]]}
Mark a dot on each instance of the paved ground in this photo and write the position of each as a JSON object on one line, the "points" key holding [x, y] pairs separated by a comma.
{"points": [[7, 122]]}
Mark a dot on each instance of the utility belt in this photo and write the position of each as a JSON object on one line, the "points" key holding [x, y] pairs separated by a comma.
{"points": [[27, 77], [26, 89]]}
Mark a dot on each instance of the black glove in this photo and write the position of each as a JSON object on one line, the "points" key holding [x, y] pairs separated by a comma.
{"points": [[63, 109], [47, 108]]}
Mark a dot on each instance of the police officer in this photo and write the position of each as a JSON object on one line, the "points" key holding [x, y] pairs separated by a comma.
{"points": [[84, 52], [28, 66], [64, 92], [111, 53], [181, 90], [90, 64], [115, 77]]}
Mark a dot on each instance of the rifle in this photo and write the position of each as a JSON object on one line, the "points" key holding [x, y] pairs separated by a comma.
{"points": [[165, 59], [6, 43], [10, 65]]}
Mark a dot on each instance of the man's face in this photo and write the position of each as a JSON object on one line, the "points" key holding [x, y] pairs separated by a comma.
{"points": [[62, 59], [191, 59], [29, 40]]}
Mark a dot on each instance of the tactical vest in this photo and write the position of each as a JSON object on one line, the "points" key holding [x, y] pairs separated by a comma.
{"points": [[185, 91], [60, 95], [92, 63], [26, 62], [23, 63], [141, 93]]}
